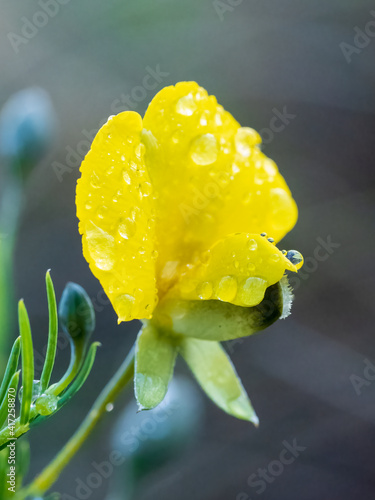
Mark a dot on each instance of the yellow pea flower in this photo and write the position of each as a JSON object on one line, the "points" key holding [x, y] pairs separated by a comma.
{"points": [[174, 213]]}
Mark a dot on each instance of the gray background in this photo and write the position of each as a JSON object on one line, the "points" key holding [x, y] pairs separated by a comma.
{"points": [[263, 54]]}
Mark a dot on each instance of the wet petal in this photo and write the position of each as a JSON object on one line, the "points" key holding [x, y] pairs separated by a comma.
{"points": [[210, 177], [116, 213], [237, 269]]}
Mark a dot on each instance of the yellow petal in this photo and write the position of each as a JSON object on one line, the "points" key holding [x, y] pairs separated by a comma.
{"points": [[116, 213], [237, 269], [210, 177]]}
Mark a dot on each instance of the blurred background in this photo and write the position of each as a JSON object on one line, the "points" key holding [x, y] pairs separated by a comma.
{"points": [[308, 377]]}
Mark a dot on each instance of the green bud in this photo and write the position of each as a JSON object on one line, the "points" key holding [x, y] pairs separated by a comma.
{"points": [[76, 313], [27, 128]]}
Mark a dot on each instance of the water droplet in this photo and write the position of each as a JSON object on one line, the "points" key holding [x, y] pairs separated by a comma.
{"points": [[95, 181], [271, 240], [140, 150], [274, 257], [123, 305], [203, 150], [251, 267], [102, 212], [263, 235], [246, 138], [88, 206], [126, 177], [127, 228], [186, 105], [252, 245], [203, 120], [46, 404], [252, 291], [109, 407], [142, 251], [295, 258], [146, 188], [100, 246], [284, 252], [204, 290], [35, 393], [226, 289]]}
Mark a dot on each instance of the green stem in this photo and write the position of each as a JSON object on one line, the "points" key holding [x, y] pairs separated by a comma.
{"points": [[50, 474]]}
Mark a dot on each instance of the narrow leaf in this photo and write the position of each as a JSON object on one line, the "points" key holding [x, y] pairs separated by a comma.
{"points": [[217, 376], [52, 335], [155, 357], [12, 391], [11, 367], [27, 362], [82, 376]]}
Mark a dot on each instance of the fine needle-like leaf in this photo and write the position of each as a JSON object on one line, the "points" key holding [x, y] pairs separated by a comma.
{"points": [[27, 362], [52, 335], [12, 390], [11, 368], [82, 376]]}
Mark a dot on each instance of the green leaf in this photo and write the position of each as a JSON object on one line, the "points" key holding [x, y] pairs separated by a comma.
{"points": [[12, 390], [11, 368], [216, 375], [155, 357], [217, 320], [27, 362], [52, 335], [82, 376]]}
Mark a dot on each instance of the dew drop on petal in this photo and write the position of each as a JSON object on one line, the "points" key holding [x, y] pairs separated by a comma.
{"points": [[124, 306], [226, 289], [127, 228], [204, 290], [126, 177], [252, 245], [186, 105], [146, 188], [295, 258], [100, 245], [245, 139], [274, 257], [203, 150], [252, 291]]}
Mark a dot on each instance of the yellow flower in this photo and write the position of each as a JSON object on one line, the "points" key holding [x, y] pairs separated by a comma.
{"points": [[174, 214]]}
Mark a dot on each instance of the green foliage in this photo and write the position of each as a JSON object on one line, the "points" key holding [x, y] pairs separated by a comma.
{"points": [[39, 399]]}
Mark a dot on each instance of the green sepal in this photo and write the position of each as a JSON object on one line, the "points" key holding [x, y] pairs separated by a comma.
{"points": [[220, 321], [218, 378], [155, 357]]}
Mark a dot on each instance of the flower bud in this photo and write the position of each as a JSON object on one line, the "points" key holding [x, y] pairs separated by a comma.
{"points": [[27, 127], [76, 313]]}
